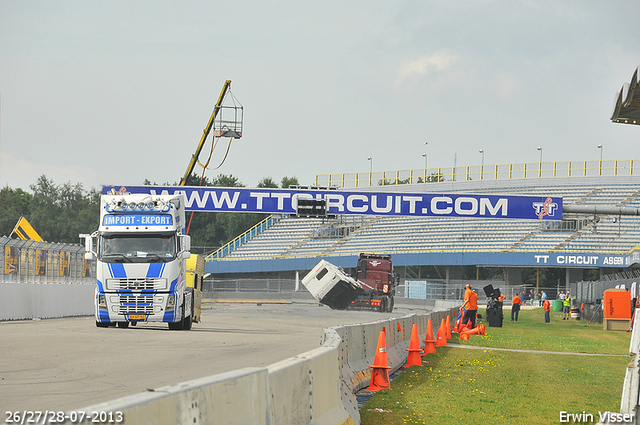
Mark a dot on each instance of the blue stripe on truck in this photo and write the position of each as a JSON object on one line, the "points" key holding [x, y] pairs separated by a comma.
{"points": [[155, 270], [117, 270]]}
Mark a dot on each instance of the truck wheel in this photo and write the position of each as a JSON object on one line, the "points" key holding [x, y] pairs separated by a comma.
{"points": [[123, 324], [175, 326], [383, 305], [102, 324], [186, 323]]}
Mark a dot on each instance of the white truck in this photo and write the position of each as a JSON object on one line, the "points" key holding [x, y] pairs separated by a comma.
{"points": [[330, 285], [373, 287], [141, 255]]}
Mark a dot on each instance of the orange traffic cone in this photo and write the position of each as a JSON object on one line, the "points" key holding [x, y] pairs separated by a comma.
{"points": [[380, 375], [464, 336], [447, 327], [441, 339], [429, 342], [414, 359], [478, 330], [399, 328], [456, 326]]}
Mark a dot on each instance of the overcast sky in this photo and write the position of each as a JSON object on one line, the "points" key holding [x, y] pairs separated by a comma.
{"points": [[115, 92]]}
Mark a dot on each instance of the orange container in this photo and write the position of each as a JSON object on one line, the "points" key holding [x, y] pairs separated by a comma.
{"points": [[617, 304]]}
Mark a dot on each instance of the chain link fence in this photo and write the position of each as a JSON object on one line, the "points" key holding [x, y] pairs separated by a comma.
{"points": [[27, 261]]}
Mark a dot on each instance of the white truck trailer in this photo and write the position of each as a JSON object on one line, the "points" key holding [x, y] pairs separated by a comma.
{"points": [[141, 251]]}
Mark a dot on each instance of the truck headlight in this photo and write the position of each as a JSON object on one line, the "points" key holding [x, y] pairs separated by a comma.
{"points": [[171, 302], [102, 302]]}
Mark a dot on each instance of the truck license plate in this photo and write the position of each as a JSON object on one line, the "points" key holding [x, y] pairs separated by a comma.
{"points": [[137, 316]]}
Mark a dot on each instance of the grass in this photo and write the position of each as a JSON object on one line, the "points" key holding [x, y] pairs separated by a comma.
{"points": [[485, 386]]}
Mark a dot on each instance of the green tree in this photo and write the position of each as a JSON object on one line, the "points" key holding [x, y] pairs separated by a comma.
{"points": [[59, 213], [267, 182], [14, 203], [289, 181]]}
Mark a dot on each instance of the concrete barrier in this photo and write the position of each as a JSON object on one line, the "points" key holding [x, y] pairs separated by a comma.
{"points": [[317, 387], [19, 301], [630, 399]]}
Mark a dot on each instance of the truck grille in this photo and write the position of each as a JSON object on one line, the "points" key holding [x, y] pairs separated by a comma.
{"points": [[132, 304], [136, 284]]}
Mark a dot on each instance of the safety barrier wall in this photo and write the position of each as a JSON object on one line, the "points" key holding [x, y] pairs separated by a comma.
{"points": [[20, 301], [317, 387], [630, 399]]}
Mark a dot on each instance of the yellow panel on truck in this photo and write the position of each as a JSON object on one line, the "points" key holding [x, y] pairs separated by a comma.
{"points": [[195, 275]]}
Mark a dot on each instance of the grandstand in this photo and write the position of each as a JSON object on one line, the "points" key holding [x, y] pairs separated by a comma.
{"points": [[292, 243]]}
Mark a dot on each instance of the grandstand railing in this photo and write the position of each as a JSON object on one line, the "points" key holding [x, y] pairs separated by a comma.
{"points": [[628, 167], [229, 247]]}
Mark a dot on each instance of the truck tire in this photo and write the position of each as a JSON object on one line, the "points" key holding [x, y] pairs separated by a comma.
{"points": [[186, 323], [103, 324], [390, 303], [123, 324], [175, 326], [383, 305]]}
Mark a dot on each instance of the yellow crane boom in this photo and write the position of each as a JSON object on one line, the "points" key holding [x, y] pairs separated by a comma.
{"points": [[205, 133]]}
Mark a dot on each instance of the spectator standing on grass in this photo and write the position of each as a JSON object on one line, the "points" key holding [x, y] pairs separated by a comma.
{"points": [[531, 296], [562, 295], [566, 307], [471, 305], [515, 307], [546, 305]]}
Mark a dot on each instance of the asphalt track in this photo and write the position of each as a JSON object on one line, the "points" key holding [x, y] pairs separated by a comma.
{"points": [[69, 363]]}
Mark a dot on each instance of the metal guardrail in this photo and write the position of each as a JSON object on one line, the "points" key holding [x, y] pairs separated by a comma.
{"points": [[27, 261], [628, 167]]}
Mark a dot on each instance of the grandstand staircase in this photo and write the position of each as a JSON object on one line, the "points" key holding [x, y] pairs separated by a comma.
{"points": [[368, 222], [519, 242], [589, 227], [573, 236], [628, 199], [301, 242], [591, 193]]}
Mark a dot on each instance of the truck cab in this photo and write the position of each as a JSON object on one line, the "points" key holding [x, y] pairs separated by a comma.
{"points": [[141, 254], [374, 273]]}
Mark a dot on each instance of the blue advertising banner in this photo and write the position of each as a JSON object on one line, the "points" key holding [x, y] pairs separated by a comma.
{"points": [[284, 201]]}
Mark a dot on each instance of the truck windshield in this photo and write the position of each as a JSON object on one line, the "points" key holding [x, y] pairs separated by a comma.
{"points": [[125, 248]]}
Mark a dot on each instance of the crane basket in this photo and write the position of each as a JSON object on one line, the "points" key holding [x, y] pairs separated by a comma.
{"points": [[228, 121]]}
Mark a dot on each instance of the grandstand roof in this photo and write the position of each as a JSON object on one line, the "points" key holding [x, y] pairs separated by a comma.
{"points": [[627, 104]]}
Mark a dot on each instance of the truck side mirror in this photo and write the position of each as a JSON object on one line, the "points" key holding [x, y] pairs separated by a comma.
{"points": [[88, 245], [186, 246], [186, 243]]}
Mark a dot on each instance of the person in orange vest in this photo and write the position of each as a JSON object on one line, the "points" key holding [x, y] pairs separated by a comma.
{"points": [[546, 305], [471, 305], [515, 307]]}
